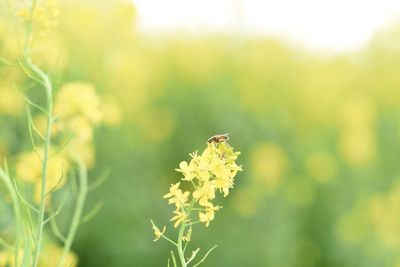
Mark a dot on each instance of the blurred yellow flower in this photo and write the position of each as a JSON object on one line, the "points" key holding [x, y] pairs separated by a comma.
{"points": [[358, 147], [80, 148], [11, 103], [29, 169], [78, 99], [384, 217], [7, 258], [45, 15], [357, 143], [52, 254], [357, 112], [247, 200]]}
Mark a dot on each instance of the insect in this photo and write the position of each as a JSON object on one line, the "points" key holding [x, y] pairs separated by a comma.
{"points": [[218, 138]]}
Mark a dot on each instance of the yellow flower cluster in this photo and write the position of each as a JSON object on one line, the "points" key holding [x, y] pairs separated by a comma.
{"points": [[77, 110], [29, 169], [50, 257], [45, 16], [10, 102], [213, 170]]}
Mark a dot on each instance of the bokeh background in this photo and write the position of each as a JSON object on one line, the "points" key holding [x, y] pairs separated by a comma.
{"points": [[319, 135]]}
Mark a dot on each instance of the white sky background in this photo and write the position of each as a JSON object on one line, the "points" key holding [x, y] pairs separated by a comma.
{"points": [[338, 25]]}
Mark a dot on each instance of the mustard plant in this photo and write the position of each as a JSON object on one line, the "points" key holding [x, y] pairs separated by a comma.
{"points": [[61, 133], [204, 176]]}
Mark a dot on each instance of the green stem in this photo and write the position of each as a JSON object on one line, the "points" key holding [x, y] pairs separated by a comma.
{"points": [[83, 186], [17, 212], [180, 247], [181, 251], [42, 207]]}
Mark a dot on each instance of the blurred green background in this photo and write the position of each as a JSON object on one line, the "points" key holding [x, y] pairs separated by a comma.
{"points": [[319, 136]]}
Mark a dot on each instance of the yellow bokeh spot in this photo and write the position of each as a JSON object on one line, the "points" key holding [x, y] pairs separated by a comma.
{"points": [[52, 254], [268, 165], [11, 103], [246, 201], [357, 112], [321, 167], [358, 147], [157, 124], [384, 216]]}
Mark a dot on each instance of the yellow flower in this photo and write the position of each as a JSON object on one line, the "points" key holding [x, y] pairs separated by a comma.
{"points": [[188, 170], [7, 258], [157, 231], [213, 170], [205, 193], [85, 150], [188, 235], [269, 164], [11, 103], [176, 196], [52, 254], [208, 214], [29, 169], [45, 16], [78, 99], [179, 217]]}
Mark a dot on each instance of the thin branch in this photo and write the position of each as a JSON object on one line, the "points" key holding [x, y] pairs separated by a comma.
{"points": [[7, 62], [173, 258], [5, 244], [56, 230], [169, 240], [29, 205], [184, 248], [194, 253], [99, 181], [92, 213], [60, 207], [77, 215], [26, 71], [30, 102], [31, 228], [61, 148], [31, 136], [205, 256], [58, 182]]}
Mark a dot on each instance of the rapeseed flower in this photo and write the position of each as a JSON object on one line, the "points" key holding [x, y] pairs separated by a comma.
{"points": [[157, 232], [209, 172], [205, 174]]}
